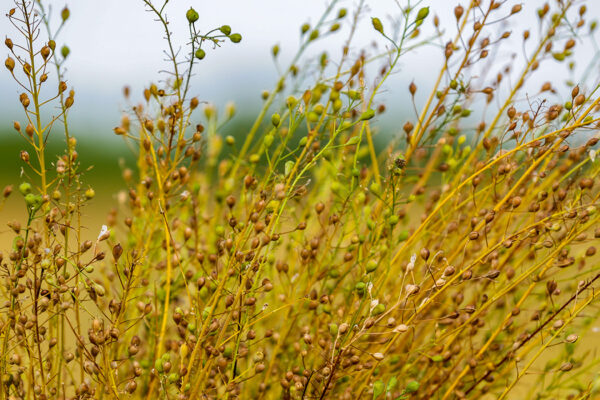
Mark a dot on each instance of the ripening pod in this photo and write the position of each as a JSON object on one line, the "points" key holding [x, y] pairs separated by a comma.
{"points": [[45, 52], [64, 14], [9, 64], [192, 15], [24, 99], [64, 51], [423, 13], [377, 24], [117, 251]]}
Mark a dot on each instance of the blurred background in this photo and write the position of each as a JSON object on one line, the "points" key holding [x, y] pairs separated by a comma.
{"points": [[114, 43]]}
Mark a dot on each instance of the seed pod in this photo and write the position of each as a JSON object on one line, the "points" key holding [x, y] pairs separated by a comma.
{"points": [[117, 251], [10, 64], [24, 99], [566, 367], [377, 25], [192, 15], [458, 11], [200, 54]]}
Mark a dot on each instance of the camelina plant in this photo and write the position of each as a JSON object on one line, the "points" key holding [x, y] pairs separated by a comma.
{"points": [[297, 259]]}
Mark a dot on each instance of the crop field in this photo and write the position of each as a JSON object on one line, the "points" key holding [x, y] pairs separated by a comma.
{"points": [[306, 249]]}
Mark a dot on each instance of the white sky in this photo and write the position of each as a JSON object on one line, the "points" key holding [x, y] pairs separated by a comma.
{"points": [[115, 43]]}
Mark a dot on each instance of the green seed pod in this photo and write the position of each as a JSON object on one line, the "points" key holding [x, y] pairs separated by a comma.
{"points": [[235, 37], [304, 28], [367, 115], [314, 34], [377, 24], [275, 120], [25, 188], [173, 377], [360, 287], [158, 365], [225, 29], [337, 105], [90, 193], [268, 140], [375, 188], [423, 13], [200, 54], [342, 13], [378, 309], [64, 51], [412, 387], [371, 266], [333, 329], [32, 200], [192, 15]]}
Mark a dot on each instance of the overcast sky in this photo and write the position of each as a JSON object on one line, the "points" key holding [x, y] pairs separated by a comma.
{"points": [[116, 42]]}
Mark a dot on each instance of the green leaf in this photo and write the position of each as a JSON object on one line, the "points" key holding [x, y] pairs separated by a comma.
{"points": [[393, 382], [378, 388]]}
